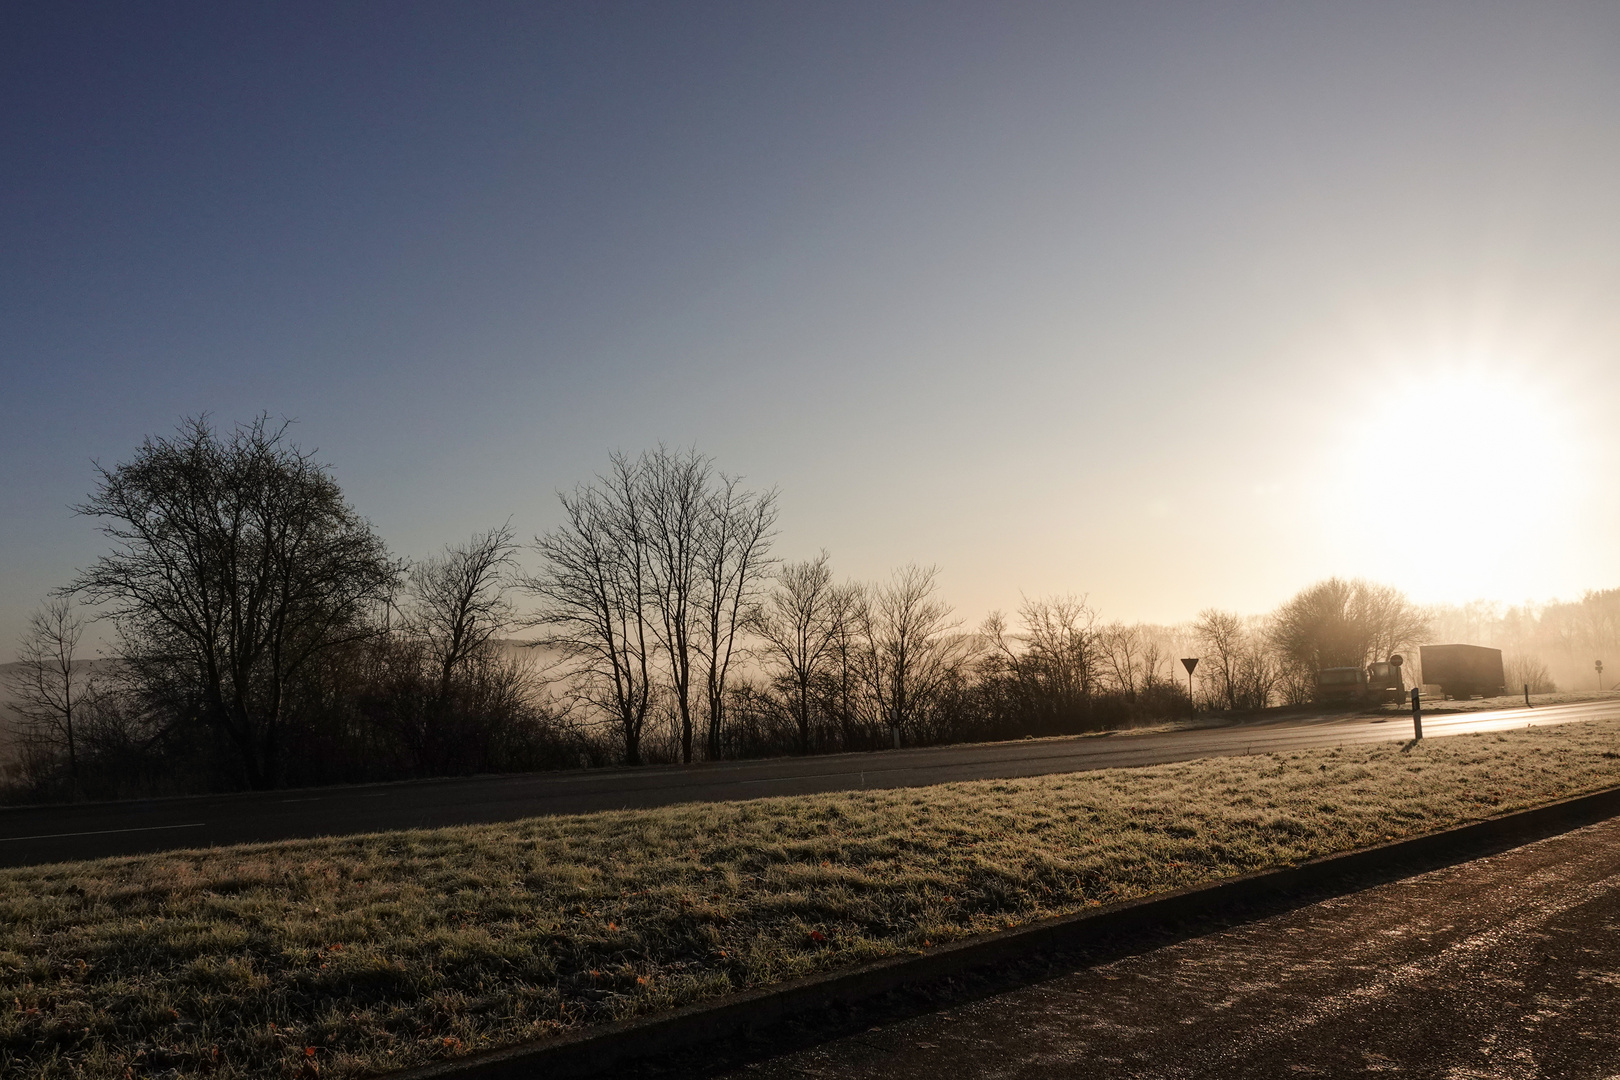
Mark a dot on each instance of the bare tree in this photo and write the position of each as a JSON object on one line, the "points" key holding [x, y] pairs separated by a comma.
{"points": [[1121, 650], [1053, 662], [734, 558], [909, 649], [237, 563], [1339, 623], [459, 600], [1236, 659], [801, 624], [848, 616], [1389, 621], [595, 591], [673, 490], [1062, 644], [1220, 640], [51, 682]]}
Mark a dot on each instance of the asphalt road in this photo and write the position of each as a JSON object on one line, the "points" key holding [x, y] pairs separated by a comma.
{"points": [[31, 835], [1506, 967]]}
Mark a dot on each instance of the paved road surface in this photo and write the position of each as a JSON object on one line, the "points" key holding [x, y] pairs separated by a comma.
{"points": [[1505, 967], [30, 835]]}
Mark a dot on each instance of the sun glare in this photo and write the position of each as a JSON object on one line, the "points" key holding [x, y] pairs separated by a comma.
{"points": [[1454, 482]]}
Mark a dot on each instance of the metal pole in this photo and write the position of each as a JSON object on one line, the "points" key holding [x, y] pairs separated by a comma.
{"points": [[1417, 713]]}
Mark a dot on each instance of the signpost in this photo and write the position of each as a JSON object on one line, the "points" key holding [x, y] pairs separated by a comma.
{"points": [[1189, 663], [1597, 664]]}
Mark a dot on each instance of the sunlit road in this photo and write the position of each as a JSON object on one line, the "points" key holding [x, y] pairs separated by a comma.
{"points": [[1507, 966], [48, 834]]}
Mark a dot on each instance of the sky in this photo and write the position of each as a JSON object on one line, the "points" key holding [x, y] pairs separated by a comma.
{"points": [[1170, 305]]}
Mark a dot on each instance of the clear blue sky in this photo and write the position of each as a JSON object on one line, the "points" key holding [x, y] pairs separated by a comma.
{"points": [[1174, 305]]}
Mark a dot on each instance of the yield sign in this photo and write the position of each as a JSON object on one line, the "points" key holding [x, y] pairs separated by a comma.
{"points": [[1189, 663]]}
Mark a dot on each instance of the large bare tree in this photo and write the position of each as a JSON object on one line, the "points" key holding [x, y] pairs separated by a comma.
{"points": [[596, 591], [236, 563], [1339, 623], [672, 489], [734, 559], [652, 576]]}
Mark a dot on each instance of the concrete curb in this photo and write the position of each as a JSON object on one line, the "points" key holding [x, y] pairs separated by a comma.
{"points": [[603, 1047]]}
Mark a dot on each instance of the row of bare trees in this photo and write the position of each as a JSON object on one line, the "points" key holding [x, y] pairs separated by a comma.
{"points": [[856, 666], [646, 588], [264, 635]]}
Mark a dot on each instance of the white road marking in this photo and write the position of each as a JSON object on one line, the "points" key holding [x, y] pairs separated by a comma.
{"points": [[101, 832]]}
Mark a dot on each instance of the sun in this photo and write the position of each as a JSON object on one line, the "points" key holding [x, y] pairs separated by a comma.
{"points": [[1468, 440], [1448, 479]]}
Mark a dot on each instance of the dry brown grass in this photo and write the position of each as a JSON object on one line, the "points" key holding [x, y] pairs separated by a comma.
{"points": [[349, 955]]}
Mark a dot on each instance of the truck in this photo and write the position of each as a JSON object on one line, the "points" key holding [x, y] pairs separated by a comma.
{"points": [[1380, 681], [1461, 671]]}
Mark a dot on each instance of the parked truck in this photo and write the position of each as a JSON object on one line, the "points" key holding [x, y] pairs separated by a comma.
{"points": [[1380, 681], [1461, 671]]}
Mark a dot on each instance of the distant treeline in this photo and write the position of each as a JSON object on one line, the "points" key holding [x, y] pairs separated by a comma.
{"points": [[265, 637]]}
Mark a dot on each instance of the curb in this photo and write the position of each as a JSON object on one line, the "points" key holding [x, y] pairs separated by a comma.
{"points": [[606, 1046]]}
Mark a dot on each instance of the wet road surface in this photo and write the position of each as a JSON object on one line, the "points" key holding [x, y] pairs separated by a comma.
{"points": [[31, 835], [1508, 966]]}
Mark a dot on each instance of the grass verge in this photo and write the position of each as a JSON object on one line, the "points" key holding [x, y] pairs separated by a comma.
{"points": [[345, 956]]}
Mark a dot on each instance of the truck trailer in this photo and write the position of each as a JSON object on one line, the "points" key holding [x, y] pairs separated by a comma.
{"points": [[1461, 671]]}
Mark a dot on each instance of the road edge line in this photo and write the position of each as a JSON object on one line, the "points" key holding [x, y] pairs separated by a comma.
{"points": [[602, 1047]]}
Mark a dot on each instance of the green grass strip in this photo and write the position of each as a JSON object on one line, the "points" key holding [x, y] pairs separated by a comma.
{"points": [[344, 956]]}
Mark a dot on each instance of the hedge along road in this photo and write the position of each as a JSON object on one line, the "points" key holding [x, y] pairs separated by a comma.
{"points": [[42, 834]]}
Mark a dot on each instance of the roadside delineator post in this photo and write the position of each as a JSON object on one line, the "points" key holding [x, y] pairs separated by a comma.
{"points": [[1527, 695], [1190, 662], [1417, 713]]}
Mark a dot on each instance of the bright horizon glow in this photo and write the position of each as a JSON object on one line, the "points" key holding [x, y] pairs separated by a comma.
{"points": [[1479, 464]]}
